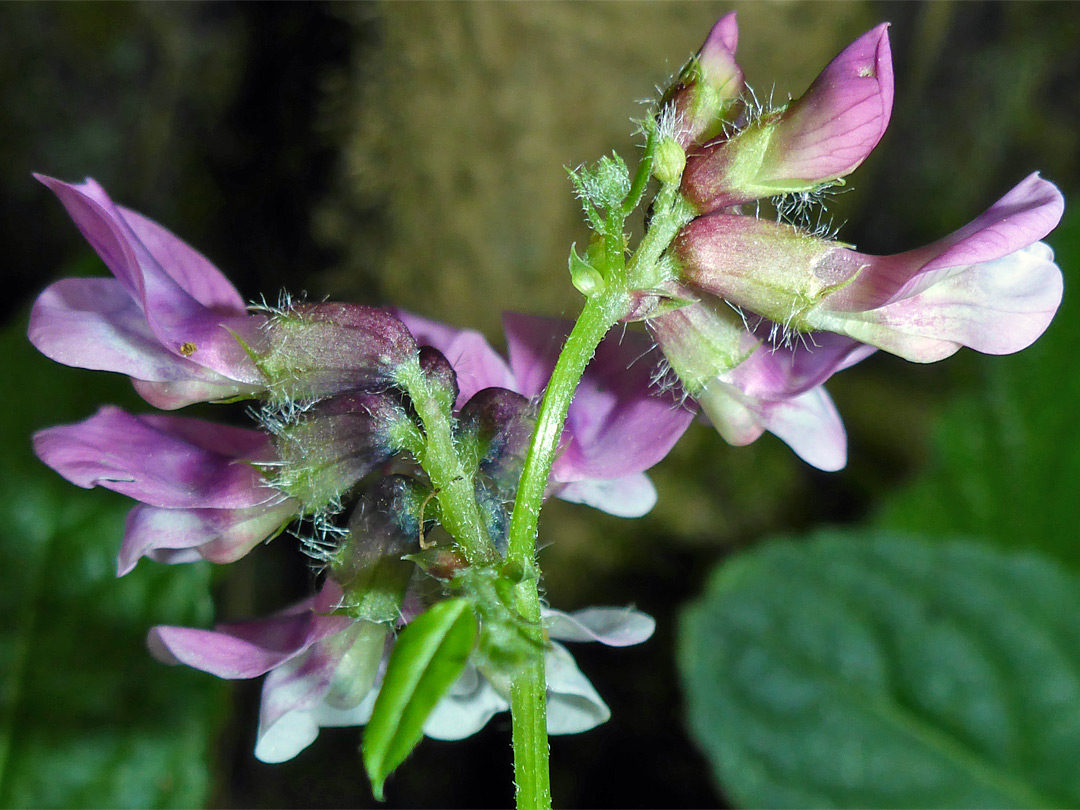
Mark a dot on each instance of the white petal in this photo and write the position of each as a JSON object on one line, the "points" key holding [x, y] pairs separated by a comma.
{"points": [[616, 627], [629, 497], [574, 705], [471, 702], [288, 736]]}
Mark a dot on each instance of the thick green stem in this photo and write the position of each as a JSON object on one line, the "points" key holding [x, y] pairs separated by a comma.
{"points": [[528, 692]]}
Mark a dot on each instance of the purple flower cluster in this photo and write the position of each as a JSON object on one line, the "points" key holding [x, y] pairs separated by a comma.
{"points": [[774, 308], [331, 420]]}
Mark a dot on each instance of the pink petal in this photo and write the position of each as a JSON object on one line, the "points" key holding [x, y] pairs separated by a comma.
{"points": [[834, 126], [808, 423], [250, 649], [618, 423], [159, 460], [996, 307]]}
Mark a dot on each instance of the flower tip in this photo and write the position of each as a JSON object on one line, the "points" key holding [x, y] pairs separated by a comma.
{"points": [[725, 34]]}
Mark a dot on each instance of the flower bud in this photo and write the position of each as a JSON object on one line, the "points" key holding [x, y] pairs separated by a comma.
{"points": [[818, 139], [435, 365], [319, 350], [707, 87], [498, 422], [669, 161]]}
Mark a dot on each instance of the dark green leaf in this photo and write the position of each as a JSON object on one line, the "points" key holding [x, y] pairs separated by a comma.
{"points": [[87, 717], [428, 657], [865, 669]]}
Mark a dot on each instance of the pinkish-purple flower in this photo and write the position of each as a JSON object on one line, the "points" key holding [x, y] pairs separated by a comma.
{"points": [[200, 490], [324, 668], [991, 285], [816, 140], [167, 318]]}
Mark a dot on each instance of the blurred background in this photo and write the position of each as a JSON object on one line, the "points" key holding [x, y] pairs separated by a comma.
{"points": [[414, 154]]}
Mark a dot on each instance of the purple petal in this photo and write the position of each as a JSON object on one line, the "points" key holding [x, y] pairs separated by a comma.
{"points": [[808, 423], [781, 372], [477, 365], [617, 424], [630, 497], [93, 323], [250, 649], [218, 535], [835, 125], [615, 627], [160, 460], [181, 323]]}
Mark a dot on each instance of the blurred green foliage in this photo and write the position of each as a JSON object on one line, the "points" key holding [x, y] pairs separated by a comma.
{"points": [[87, 717]]}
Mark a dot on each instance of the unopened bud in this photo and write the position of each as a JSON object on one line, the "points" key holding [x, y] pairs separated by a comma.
{"points": [[668, 162]]}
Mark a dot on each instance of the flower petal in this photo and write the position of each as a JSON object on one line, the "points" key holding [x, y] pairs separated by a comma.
{"points": [[574, 705], [466, 708], [218, 535], [835, 125], [808, 423], [615, 627], [250, 649], [160, 460], [997, 307], [618, 423], [182, 324], [631, 496]]}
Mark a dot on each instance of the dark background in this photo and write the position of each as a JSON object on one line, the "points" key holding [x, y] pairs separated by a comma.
{"points": [[412, 154]]}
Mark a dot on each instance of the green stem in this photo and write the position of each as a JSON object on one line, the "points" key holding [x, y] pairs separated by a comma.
{"points": [[454, 486], [528, 691]]}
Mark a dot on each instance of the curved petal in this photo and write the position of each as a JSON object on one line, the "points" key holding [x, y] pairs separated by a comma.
{"points": [[181, 323], [615, 627], [160, 460], [1019, 219], [168, 396], [835, 125], [250, 649], [630, 497], [218, 535], [997, 307], [466, 708], [574, 705], [808, 423]]}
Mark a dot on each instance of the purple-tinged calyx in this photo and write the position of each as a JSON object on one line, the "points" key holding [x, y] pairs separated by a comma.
{"points": [[702, 98], [813, 142], [168, 318], [312, 351], [328, 448], [991, 285]]}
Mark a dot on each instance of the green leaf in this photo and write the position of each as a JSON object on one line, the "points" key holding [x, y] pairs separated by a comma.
{"points": [[1006, 461], [428, 657], [868, 669], [87, 717]]}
